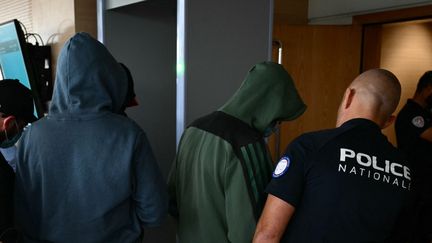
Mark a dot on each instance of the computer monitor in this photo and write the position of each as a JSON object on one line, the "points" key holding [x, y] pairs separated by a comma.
{"points": [[15, 62]]}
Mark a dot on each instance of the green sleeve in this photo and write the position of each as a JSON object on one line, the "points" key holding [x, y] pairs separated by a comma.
{"points": [[239, 213]]}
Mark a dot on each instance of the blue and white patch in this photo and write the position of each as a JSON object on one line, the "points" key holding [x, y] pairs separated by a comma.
{"points": [[418, 121], [281, 167]]}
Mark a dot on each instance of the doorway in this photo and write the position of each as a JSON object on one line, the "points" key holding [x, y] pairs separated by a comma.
{"points": [[401, 42]]}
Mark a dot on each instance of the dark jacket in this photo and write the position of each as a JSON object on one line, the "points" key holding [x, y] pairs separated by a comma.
{"points": [[85, 173], [7, 177]]}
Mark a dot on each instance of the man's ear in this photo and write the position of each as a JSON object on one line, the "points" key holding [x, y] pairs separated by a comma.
{"points": [[389, 121], [349, 97]]}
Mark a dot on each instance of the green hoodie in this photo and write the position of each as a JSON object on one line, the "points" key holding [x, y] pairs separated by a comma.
{"points": [[266, 95], [223, 166]]}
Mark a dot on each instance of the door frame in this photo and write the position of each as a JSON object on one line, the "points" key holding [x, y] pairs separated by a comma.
{"points": [[370, 25], [407, 14]]}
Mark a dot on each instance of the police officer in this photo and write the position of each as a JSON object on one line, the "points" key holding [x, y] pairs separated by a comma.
{"points": [[414, 137], [347, 184]]}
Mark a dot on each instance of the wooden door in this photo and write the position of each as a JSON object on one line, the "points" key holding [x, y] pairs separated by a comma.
{"points": [[322, 60]]}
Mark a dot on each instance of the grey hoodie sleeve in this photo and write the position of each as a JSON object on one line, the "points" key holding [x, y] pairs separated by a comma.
{"points": [[150, 193]]}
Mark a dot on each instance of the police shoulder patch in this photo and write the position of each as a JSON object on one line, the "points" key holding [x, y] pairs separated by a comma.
{"points": [[282, 167], [418, 121]]}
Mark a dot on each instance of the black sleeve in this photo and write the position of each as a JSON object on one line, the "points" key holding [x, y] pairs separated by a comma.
{"points": [[418, 124], [289, 175], [410, 127]]}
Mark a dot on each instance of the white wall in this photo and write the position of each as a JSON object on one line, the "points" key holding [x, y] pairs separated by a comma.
{"points": [[341, 11], [54, 21]]}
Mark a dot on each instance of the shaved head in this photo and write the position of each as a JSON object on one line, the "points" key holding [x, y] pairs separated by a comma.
{"points": [[374, 95]]}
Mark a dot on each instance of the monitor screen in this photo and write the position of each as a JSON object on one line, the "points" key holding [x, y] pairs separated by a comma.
{"points": [[14, 63]]}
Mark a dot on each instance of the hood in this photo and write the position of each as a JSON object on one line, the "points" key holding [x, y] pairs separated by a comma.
{"points": [[267, 95], [88, 79]]}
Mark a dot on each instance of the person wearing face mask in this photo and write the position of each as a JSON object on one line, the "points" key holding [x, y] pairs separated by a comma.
{"points": [[16, 111], [222, 166], [414, 136]]}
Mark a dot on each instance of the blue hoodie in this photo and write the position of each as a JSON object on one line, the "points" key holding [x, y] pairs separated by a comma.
{"points": [[84, 172]]}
